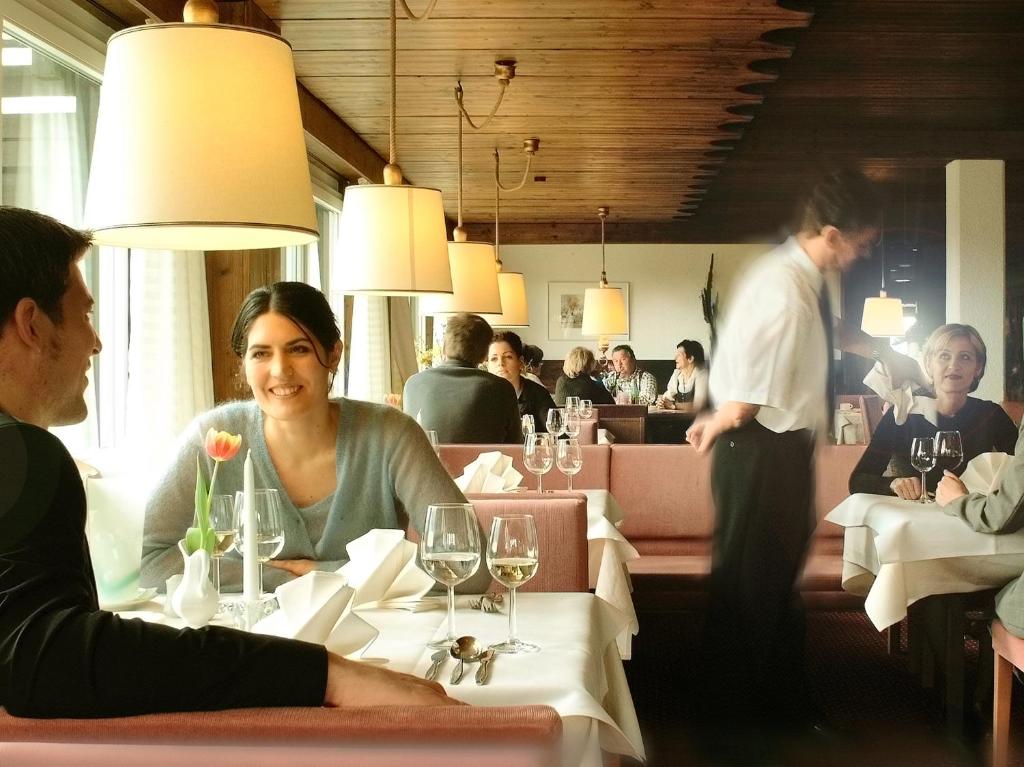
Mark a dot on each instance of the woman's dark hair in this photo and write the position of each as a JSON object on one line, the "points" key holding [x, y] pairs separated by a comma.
{"points": [[845, 199], [301, 303], [692, 349], [36, 253], [512, 339], [533, 355]]}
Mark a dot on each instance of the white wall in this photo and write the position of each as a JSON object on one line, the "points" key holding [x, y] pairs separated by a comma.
{"points": [[664, 288]]}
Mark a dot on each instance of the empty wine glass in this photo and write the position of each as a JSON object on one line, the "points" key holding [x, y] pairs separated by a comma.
{"points": [[922, 458], [555, 422], [571, 425], [538, 457], [949, 450], [512, 558], [269, 530], [586, 408], [529, 427], [432, 439], [569, 458], [572, 403], [224, 521], [450, 552]]}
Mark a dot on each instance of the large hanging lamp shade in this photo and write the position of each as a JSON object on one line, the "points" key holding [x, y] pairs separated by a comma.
{"points": [[393, 241], [474, 282], [883, 316], [515, 313], [199, 143], [604, 312]]}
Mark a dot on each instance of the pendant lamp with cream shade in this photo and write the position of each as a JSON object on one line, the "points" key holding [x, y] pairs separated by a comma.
{"points": [[604, 307], [474, 272], [883, 316], [393, 238], [512, 285], [199, 142]]}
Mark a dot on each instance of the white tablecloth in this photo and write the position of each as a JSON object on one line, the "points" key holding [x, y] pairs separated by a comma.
{"points": [[578, 671], [896, 552]]}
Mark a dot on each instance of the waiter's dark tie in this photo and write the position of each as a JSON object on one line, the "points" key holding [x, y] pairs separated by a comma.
{"points": [[825, 308]]}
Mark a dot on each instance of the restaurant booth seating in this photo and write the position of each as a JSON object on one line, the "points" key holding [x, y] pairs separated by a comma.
{"points": [[383, 736], [1009, 654]]}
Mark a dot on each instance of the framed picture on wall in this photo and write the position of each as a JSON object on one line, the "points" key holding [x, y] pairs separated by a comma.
{"points": [[565, 310]]}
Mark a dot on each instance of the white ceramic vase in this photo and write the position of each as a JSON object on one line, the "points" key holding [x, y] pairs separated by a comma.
{"points": [[195, 599]]}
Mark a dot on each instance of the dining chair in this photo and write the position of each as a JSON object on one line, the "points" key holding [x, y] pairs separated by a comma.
{"points": [[1008, 651]]}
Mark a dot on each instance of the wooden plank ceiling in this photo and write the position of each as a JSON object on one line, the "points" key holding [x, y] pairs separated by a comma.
{"points": [[630, 98], [695, 120]]}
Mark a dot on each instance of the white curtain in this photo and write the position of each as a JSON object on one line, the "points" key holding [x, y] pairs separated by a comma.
{"points": [[369, 363], [169, 365]]}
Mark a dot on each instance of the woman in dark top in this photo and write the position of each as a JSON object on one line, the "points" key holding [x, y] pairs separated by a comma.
{"points": [[954, 359], [505, 359], [577, 381]]}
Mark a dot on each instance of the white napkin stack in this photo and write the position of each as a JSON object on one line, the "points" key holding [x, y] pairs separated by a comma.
{"points": [[984, 471], [490, 473], [902, 397], [317, 607], [382, 569]]}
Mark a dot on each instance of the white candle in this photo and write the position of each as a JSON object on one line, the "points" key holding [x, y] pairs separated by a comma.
{"points": [[250, 562]]}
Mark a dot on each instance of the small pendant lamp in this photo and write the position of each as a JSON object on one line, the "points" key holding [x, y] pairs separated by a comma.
{"points": [[883, 316], [604, 308]]}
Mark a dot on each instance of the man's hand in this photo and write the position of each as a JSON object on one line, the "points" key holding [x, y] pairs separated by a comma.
{"points": [[705, 430], [350, 683], [702, 433], [902, 368], [296, 567], [950, 488], [907, 488]]}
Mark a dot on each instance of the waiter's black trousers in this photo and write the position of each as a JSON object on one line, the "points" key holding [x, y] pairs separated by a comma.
{"points": [[763, 488]]}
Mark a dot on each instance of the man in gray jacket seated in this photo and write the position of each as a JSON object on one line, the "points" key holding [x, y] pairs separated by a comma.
{"points": [[463, 404], [1001, 511]]}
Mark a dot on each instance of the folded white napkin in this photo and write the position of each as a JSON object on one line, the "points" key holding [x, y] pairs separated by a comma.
{"points": [[382, 568], [902, 398], [605, 437], [491, 472], [317, 607], [984, 471]]}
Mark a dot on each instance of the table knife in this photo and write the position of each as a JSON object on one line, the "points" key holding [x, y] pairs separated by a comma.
{"points": [[435, 667], [485, 666]]}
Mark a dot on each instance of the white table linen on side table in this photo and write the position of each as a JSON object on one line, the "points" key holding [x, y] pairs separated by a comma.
{"points": [[578, 671], [896, 552]]}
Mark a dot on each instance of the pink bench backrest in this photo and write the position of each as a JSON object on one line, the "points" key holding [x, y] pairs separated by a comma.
{"points": [[594, 474], [392, 736]]}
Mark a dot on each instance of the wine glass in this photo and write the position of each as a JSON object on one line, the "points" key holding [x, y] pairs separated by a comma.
{"points": [[949, 450], [269, 530], [555, 421], [570, 458], [450, 552], [512, 557], [586, 408], [529, 427], [571, 426], [572, 403], [432, 439], [538, 457], [224, 521], [922, 458]]}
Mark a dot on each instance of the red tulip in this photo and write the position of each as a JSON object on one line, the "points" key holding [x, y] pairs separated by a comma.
{"points": [[221, 446]]}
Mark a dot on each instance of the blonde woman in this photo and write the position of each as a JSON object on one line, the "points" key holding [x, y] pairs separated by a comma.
{"points": [[954, 360], [576, 380]]}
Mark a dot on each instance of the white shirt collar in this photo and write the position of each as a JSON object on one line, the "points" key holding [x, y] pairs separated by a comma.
{"points": [[807, 267]]}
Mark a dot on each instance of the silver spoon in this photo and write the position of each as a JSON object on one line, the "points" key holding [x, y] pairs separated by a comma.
{"points": [[464, 649]]}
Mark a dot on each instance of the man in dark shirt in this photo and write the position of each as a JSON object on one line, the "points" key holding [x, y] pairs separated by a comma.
{"points": [[463, 404], [60, 655]]}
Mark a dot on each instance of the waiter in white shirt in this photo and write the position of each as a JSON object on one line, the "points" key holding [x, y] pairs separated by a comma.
{"points": [[771, 383]]}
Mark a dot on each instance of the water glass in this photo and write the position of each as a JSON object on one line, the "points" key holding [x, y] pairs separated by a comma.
{"points": [[512, 558], [569, 458], [269, 528], [538, 456], [922, 458], [529, 427], [949, 450], [586, 408], [224, 521], [450, 552], [555, 422]]}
